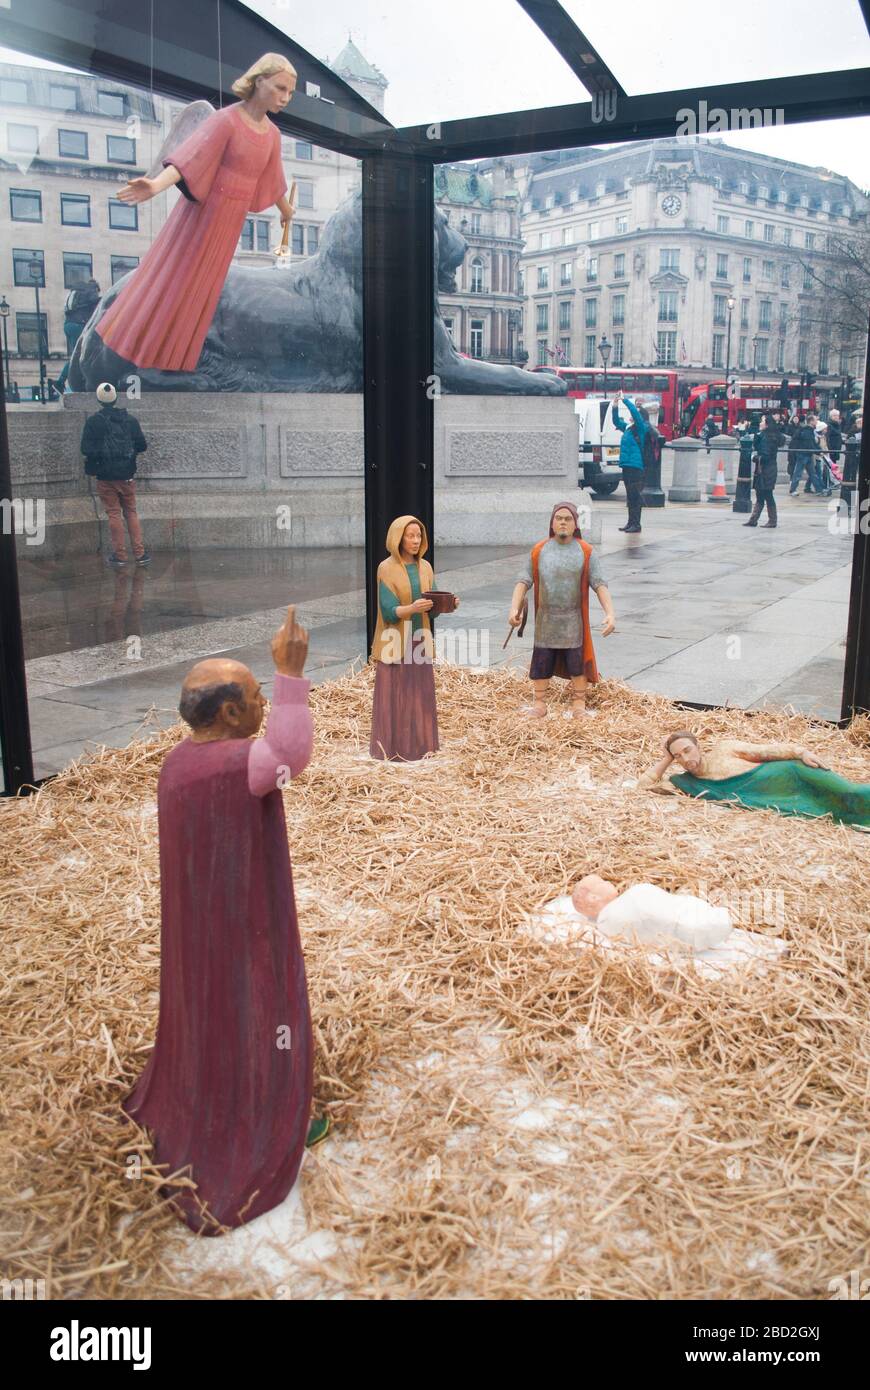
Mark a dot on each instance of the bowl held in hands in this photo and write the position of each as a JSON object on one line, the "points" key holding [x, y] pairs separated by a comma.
{"points": [[442, 602]]}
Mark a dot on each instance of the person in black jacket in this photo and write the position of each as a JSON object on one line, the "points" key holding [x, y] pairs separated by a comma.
{"points": [[835, 435], [768, 442], [112, 439], [805, 446]]}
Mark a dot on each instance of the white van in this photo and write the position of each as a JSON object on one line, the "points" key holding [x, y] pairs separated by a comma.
{"points": [[599, 440]]}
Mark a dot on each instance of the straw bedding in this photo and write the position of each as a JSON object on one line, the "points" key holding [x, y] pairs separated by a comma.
{"points": [[510, 1119]]}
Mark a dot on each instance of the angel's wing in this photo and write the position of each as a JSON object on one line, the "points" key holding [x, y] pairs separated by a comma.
{"points": [[184, 124]]}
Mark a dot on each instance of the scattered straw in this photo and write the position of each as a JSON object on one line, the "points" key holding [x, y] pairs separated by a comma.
{"points": [[510, 1119]]}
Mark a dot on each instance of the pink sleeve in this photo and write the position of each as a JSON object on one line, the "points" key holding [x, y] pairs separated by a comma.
{"points": [[272, 183], [199, 157], [285, 749]]}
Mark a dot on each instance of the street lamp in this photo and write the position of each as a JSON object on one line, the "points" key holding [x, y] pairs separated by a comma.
{"points": [[605, 349], [754, 354], [731, 302], [36, 270], [4, 314]]}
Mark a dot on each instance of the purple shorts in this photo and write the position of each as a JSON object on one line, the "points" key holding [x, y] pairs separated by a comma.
{"points": [[544, 662]]}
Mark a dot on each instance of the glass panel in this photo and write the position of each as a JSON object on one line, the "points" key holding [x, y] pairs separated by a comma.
{"points": [[244, 505]]}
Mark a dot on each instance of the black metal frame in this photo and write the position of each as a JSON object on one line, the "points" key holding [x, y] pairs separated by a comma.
{"points": [[183, 55]]}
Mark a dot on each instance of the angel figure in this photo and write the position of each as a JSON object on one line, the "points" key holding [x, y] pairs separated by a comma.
{"points": [[228, 166]]}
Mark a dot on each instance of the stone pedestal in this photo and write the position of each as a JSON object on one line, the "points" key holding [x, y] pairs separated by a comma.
{"points": [[724, 450], [682, 457]]}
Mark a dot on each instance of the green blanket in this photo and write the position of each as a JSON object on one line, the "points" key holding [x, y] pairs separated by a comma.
{"points": [[791, 788]]}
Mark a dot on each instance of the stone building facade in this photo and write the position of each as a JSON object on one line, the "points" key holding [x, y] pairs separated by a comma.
{"points": [[483, 315], [647, 243]]}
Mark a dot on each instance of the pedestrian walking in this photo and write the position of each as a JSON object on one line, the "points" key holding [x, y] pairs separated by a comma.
{"points": [[767, 444], [805, 446], [112, 439], [631, 457], [850, 462]]}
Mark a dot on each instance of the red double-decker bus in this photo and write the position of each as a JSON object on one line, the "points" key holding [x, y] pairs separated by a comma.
{"points": [[708, 401], [647, 383]]}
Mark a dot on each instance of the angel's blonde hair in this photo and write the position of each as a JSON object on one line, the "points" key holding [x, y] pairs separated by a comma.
{"points": [[267, 66]]}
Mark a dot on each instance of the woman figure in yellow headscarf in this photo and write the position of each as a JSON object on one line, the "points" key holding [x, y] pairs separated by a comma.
{"points": [[404, 718]]}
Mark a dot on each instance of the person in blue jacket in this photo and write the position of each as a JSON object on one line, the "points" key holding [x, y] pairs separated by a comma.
{"points": [[631, 457]]}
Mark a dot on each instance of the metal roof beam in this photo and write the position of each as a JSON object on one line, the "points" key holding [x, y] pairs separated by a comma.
{"points": [[572, 44]]}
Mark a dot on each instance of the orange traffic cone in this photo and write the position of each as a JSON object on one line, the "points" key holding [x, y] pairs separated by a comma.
{"points": [[719, 493]]}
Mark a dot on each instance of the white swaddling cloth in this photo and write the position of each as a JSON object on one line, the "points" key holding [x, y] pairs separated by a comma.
{"points": [[651, 915]]}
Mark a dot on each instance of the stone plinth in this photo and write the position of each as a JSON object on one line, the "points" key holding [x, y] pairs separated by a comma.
{"points": [[724, 450], [682, 459]]}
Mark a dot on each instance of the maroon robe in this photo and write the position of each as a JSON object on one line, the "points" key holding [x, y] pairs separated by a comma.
{"points": [[225, 1102]]}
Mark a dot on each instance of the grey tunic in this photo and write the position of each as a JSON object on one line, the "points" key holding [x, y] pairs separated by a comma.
{"points": [[558, 622]]}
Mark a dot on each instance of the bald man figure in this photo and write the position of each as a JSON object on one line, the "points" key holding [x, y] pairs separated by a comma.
{"points": [[227, 1089]]}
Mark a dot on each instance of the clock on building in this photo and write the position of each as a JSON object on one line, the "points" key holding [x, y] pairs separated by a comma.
{"points": [[671, 204]]}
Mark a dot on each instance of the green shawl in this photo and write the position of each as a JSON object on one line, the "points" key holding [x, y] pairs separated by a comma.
{"points": [[791, 788]]}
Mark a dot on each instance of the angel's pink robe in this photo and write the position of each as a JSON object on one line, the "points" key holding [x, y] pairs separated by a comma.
{"points": [[161, 316], [227, 1089]]}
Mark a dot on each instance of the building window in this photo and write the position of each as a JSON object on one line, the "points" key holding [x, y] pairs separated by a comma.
{"points": [[313, 238], [786, 236], [809, 240], [721, 223], [123, 217], [543, 355], [763, 191], [121, 265], [666, 349], [448, 324], [744, 187], [824, 356], [721, 267], [304, 149], [25, 205], [803, 351], [475, 224], [75, 209], [785, 277], [668, 306], [477, 337], [543, 277], [780, 354], [297, 239], [592, 231], [808, 278], [589, 350], [565, 273], [741, 353], [749, 230], [521, 282], [112, 104], [619, 265], [619, 308], [761, 354], [592, 268], [747, 268], [764, 312], [744, 313], [618, 348], [718, 349], [25, 325], [591, 313], [669, 260], [13, 92], [621, 226], [720, 309], [543, 241], [565, 314], [783, 318], [305, 193], [804, 319], [78, 267], [72, 144], [22, 258], [62, 98], [767, 270], [477, 276], [565, 349], [542, 318], [768, 231], [120, 149], [22, 139], [844, 362]]}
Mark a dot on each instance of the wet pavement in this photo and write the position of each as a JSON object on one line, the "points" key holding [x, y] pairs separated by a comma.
{"points": [[707, 611]]}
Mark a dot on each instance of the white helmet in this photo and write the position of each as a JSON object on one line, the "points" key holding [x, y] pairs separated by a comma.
{"points": [[106, 393]]}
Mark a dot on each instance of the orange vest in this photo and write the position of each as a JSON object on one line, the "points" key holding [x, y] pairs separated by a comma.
{"points": [[590, 669]]}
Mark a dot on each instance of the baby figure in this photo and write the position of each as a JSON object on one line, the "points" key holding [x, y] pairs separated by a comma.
{"points": [[650, 915]]}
